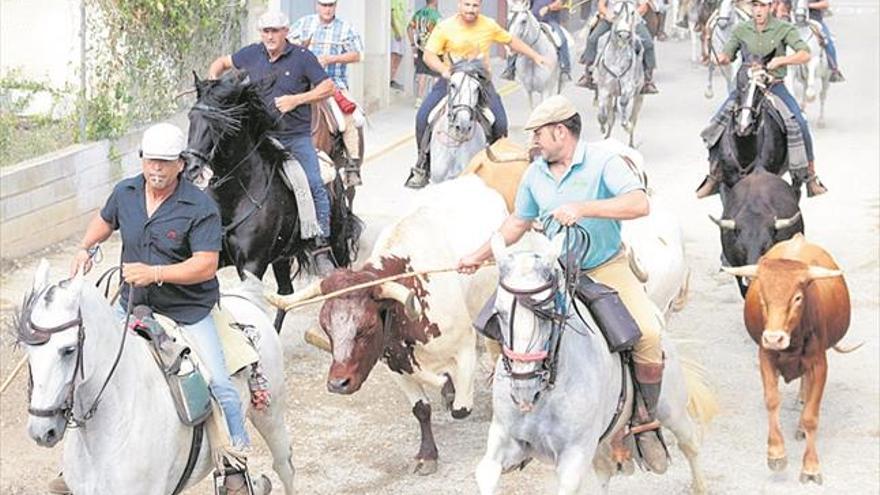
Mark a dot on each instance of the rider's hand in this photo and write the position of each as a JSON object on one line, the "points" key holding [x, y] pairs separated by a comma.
{"points": [[139, 274], [286, 103], [81, 261], [543, 11], [775, 63], [446, 74], [324, 60], [567, 214], [469, 264], [540, 61]]}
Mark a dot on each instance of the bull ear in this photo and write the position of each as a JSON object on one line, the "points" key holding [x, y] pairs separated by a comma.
{"points": [[499, 246], [817, 272], [750, 271], [41, 275], [397, 292]]}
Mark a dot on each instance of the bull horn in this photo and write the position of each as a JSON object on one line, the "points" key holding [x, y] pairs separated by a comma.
{"points": [[784, 223], [750, 271], [392, 290], [822, 272], [724, 223], [318, 339], [285, 302]]}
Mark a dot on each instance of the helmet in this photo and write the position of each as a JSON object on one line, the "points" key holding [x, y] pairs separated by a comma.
{"points": [[162, 142]]}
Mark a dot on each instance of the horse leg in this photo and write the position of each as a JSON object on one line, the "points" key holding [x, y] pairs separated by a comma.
{"points": [[281, 269], [500, 448], [270, 424], [572, 470]]}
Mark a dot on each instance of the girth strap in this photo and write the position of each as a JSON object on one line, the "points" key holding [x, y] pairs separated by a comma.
{"points": [[195, 449]]}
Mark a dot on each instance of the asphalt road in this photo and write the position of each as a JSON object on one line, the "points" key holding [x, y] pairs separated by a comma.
{"points": [[364, 444]]}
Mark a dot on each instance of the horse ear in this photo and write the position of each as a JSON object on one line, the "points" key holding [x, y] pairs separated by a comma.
{"points": [[499, 246], [198, 84], [41, 275]]}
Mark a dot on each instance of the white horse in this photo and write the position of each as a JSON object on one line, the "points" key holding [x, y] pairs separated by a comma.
{"points": [[571, 423], [132, 442], [619, 72], [544, 81], [458, 133], [814, 77], [719, 29]]}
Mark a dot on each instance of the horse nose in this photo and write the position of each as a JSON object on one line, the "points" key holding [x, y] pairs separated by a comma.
{"points": [[338, 385]]}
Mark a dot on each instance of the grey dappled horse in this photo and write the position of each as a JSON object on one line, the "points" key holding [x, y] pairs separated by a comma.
{"points": [[814, 77], [719, 29], [619, 72], [459, 132], [133, 441], [570, 423], [544, 81]]}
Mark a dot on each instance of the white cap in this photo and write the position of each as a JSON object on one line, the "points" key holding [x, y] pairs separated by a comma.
{"points": [[273, 19], [327, 2], [162, 142]]}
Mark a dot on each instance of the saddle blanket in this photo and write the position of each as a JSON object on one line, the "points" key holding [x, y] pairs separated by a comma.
{"points": [[797, 151]]}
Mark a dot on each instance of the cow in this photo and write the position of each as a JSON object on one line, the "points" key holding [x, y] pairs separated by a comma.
{"points": [[419, 326], [796, 308], [759, 211]]}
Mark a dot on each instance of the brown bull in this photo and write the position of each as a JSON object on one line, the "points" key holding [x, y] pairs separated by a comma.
{"points": [[797, 307]]}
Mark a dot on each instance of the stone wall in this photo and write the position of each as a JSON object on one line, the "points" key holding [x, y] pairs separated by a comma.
{"points": [[52, 198]]}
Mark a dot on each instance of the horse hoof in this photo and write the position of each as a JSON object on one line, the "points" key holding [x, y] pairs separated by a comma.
{"points": [[461, 413], [777, 465], [815, 478], [263, 486], [800, 434], [425, 467]]}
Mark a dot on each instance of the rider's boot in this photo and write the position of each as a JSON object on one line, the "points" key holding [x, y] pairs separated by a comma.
{"points": [[58, 486], [683, 22], [649, 88], [710, 184], [586, 81], [814, 185], [419, 176], [510, 71], [646, 427], [351, 173], [836, 76], [322, 257]]}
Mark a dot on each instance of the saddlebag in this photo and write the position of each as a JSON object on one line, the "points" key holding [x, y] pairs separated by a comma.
{"points": [[617, 325]]}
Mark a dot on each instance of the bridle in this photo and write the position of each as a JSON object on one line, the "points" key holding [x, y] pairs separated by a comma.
{"points": [[39, 335], [521, 9], [625, 9]]}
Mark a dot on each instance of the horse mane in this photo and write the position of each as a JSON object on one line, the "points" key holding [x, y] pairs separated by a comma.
{"points": [[473, 67], [21, 317]]}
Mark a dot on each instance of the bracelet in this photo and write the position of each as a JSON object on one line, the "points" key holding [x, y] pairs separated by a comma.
{"points": [[157, 275]]}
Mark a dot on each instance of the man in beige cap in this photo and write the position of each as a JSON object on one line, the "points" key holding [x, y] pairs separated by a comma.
{"points": [[573, 182]]}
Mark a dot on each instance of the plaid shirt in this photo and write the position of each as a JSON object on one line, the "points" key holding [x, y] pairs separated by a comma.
{"points": [[335, 38]]}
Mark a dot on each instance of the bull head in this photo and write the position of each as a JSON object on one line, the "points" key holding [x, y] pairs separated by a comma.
{"points": [[780, 289]]}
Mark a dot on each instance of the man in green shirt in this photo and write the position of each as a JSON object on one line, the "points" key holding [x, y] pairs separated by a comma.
{"points": [[418, 31], [764, 35]]}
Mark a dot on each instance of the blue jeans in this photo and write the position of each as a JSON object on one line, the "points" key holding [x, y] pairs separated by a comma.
{"points": [[829, 46], [781, 91], [649, 60], [303, 150], [562, 52], [438, 91], [203, 336]]}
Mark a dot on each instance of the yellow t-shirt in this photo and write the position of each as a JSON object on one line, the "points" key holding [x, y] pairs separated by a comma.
{"points": [[453, 38]]}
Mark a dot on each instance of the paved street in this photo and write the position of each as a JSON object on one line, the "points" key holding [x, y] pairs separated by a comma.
{"points": [[364, 444]]}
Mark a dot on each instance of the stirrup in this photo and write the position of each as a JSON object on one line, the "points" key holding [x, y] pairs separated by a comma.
{"points": [[351, 176], [233, 481], [418, 178], [814, 182], [649, 88]]}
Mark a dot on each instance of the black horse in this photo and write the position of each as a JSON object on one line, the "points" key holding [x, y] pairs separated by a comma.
{"points": [[229, 135], [755, 133]]}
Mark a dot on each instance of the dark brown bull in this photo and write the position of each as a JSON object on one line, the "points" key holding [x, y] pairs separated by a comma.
{"points": [[795, 309]]}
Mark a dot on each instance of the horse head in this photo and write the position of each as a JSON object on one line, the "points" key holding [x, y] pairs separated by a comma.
{"points": [[801, 12], [49, 327], [465, 97], [752, 80], [522, 23], [623, 21], [526, 304], [218, 117]]}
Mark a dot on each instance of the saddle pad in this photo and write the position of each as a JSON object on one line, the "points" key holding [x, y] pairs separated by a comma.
{"points": [[501, 167], [237, 349]]}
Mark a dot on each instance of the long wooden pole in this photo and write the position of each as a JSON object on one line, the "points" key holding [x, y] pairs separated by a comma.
{"points": [[367, 285]]}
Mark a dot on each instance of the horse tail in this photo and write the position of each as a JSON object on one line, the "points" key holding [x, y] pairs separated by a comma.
{"points": [[702, 405]]}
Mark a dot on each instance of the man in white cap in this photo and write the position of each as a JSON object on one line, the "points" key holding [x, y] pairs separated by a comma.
{"points": [[171, 235], [576, 183], [298, 81]]}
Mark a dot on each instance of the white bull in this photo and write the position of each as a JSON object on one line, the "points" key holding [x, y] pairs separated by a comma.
{"points": [[419, 326]]}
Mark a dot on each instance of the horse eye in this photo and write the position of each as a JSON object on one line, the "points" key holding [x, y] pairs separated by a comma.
{"points": [[67, 351]]}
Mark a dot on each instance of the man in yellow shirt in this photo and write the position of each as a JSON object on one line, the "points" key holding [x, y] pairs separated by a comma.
{"points": [[467, 34]]}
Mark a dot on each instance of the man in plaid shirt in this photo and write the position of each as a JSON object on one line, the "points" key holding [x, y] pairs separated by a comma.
{"points": [[336, 44]]}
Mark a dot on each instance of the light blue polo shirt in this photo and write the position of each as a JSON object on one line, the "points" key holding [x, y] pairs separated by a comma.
{"points": [[595, 173]]}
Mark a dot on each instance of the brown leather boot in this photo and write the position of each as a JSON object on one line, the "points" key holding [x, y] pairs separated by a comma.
{"points": [[646, 427], [586, 80], [58, 486], [710, 184], [814, 185], [649, 88]]}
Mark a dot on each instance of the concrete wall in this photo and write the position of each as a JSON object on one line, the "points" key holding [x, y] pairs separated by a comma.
{"points": [[52, 198]]}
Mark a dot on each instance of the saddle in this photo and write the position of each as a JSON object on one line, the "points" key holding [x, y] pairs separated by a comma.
{"points": [[501, 166], [187, 379]]}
